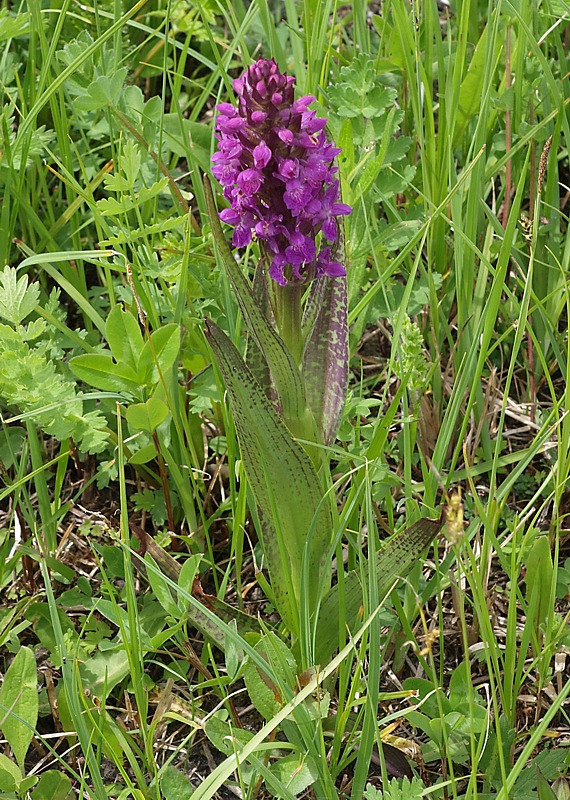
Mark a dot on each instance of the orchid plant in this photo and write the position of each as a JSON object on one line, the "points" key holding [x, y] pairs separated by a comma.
{"points": [[279, 177]]}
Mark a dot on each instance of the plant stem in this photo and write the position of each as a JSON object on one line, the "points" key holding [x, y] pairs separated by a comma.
{"points": [[288, 315]]}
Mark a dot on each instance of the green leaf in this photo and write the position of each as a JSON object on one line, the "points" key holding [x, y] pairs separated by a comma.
{"points": [[283, 481], [233, 653], [358, 92], [144, 455], [255, 360], [120, 205], [145, 232], [104, 671], [17, 299], [13, 25], [124, 337], [561, 789], [281, 363], [295, 772], [543, 787], [102, 92], [470, 91], [186, 578], [225, 737], [396, 556], [11, 440], [161, 589], [147, 416], [174, 785], [171, 568], [163, 349], [100, 371], [53, 785], [325, 358], [10, 774], [19, 703], [264, 693], [538, 580], [129, 168]]}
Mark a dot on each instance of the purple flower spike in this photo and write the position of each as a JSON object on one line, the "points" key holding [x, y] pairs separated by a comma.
{"points": [[276, 167]]}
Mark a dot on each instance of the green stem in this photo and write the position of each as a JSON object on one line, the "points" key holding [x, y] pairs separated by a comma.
{"points": [[288, 313]]}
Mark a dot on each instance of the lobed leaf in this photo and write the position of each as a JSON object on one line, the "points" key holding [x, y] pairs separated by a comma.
{"points": [[17, 299]]}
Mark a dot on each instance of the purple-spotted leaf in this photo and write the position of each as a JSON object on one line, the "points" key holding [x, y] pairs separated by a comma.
{"points": [[325, 357], [283, 481], [255, 359], [393, 560]]}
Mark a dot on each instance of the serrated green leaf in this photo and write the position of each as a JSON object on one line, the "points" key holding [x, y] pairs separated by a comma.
{"points": [[32, 330], [133, 234], [283, 481], [358, 91], [128, 169], [13, 25], [395, 557], [147, 416], [17, 299], [19, 703], [126, 201]]}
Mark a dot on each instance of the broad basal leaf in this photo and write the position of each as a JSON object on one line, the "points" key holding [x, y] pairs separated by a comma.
{"points": [[282, 478], [396, 556]]}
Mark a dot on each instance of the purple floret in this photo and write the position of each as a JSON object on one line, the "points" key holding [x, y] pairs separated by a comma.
{"points": [[277, 170]]}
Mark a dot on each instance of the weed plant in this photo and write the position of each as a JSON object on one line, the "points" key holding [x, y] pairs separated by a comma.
{"points": [[141, 649]]}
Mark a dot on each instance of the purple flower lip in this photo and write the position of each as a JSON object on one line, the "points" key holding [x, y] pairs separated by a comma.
{"points": [[277, 171]]}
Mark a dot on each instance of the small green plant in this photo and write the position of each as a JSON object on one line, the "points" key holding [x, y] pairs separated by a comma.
{"points": [[31, 380], [397, 789]]}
